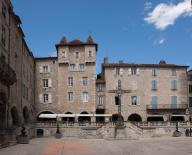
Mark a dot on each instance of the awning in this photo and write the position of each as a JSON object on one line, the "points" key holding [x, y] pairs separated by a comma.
{"points": [[155, 115], [47, 115], [65, 115], [175, 115], [73, 115]]}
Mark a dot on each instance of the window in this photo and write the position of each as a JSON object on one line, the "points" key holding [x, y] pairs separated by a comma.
{"points": [[173, 72], [45, 69], [190, 101], [77, 54], [85, 81], [90, 54], [154, 72], [100, 100], [2, 58], [133, 71], [3, 35], [72, 66], [190, 88], [133, 100], [70, 81], [154, 102], [45, 98], [173, 84], [45, 83], [63, 54], [70, 96], [85, 96], [119, 71], [100, 87], [154, 84], [173, 100], [82, 66], [4, 10]]}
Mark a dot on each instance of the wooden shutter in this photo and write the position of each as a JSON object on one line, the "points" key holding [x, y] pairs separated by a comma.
{"points": [[138, 71], [41, 98], [40, 69], [49, 82], [129, 71]]}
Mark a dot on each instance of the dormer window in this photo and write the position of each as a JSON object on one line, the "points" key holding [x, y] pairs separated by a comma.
{"points": [[90, 54], [63, 54], [77, 55]]}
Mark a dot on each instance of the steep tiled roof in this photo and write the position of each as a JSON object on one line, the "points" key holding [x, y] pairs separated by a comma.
{"points": [[76, 42], [112, 65]]}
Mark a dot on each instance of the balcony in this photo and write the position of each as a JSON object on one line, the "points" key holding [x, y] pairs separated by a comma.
{"points": [[166, 106], [7, 74], [100, 106]]}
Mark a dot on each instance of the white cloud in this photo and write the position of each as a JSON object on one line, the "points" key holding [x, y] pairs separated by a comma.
{"points": [[147, 6], [159, 41], [164, 15]]}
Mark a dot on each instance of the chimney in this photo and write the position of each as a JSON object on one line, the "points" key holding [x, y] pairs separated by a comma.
{"points": [[90, 40], [120, 61], [63, 41], [106, 60]]}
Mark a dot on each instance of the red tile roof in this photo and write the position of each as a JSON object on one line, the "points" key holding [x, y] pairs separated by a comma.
{"points": [[76, 42]]}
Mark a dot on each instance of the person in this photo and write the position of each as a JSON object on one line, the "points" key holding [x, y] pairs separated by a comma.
{"points": [[187, 132]]}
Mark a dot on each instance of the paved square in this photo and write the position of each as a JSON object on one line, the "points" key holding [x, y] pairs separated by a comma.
{"points": [[154, 146]]}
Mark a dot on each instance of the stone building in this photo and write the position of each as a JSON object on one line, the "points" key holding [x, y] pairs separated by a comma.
{"points": [[16, 72], [190, 90], [157, 92], [66, 83]]}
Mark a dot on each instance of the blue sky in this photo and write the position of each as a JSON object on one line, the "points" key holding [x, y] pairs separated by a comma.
{"points": [[135, 31]]}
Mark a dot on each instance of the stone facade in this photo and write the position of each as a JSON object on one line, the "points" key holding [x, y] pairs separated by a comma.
{"points": [[16, 69], [190, 91], [139, 80], [71, 79]]}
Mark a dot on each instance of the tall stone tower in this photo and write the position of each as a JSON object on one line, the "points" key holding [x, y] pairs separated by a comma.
{"points": [[76, 76]]}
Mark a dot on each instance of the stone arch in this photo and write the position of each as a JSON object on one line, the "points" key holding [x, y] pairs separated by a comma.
{"points": [[26, 115], [68, 119], [114, 118], [177, 119], [14, 116], [46, 119], [84, 118], [134, 118]]}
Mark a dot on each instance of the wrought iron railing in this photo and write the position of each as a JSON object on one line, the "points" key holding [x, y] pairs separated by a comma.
{"points": [[167, 106]]}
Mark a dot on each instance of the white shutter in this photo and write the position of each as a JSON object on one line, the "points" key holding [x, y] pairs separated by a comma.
{"points": [[40, 69], [138, 71], [40, 98], [121, 71], [129, 100], [114, 71], [50, 98], [138, 100], [49, 82], [112, 99], [49, 69], [129, 71]]}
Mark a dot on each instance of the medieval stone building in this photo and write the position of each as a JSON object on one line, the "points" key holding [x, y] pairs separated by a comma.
{"points": [[16, 72], [67, 84]]}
